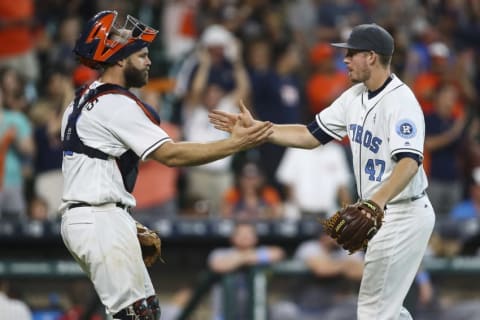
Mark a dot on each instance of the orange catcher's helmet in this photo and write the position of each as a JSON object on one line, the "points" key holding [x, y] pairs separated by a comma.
{"points": [[103, 41]]}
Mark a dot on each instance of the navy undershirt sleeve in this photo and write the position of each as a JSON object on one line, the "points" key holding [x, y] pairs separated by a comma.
{"points": [[397, 157], [318, 133]]}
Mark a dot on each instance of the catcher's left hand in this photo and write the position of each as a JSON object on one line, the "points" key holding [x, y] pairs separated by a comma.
{"points": [[150, 243], [354, 225]]}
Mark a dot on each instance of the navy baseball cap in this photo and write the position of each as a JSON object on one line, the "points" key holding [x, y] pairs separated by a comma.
{"points": [[369, 37]]}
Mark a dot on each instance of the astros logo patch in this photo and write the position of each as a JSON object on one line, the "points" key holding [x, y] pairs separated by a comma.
{"points": [[406, 129]]}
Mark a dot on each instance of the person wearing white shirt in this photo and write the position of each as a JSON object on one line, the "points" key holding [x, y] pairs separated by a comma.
{"points": [[317, 181], [12, 308]]}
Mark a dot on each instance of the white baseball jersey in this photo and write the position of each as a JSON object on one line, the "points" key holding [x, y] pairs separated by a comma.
{"points": [[113, 124], [379, 128]]}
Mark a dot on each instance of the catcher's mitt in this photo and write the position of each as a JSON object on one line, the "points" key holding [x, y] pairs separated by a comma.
{"points": [[354, 225], [150, 243]]}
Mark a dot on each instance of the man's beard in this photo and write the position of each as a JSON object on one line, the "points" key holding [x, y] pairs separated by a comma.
{"points": [[134, 78]]}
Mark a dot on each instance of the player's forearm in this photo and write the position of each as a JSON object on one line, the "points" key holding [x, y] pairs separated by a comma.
{"points": [[184, 153], [403, 172], [293, 135]]}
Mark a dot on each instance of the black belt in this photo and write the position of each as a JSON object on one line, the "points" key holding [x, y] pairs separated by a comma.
{"points": [[85, 204]]}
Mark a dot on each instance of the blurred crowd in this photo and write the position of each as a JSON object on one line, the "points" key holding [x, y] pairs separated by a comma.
{"points": [[275, 56]]}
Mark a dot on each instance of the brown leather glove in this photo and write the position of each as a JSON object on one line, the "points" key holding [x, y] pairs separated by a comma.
{"points": [[354, 225], [150, 243]]}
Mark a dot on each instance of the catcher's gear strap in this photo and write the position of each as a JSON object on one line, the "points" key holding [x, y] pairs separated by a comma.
{"points": [[128, 161], [138, 310], [154, 306]]}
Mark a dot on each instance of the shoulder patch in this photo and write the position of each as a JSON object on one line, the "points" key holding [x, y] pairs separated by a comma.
{"points": [[406, 129]]}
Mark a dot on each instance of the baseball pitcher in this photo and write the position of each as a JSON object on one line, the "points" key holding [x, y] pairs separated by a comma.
{"points": [[393, 218]]}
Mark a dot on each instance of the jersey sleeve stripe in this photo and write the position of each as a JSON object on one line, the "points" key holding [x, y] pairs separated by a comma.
{"points": [[399, 150], [326, 130], [318, 133], [153, 147]]}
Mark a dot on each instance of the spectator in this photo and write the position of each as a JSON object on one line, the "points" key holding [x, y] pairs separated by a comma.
{"points": [[18, 149], [251, 197], [172, 308], [13, 86], [38, 209], [47, 116], [442, 141], [12, 308], [276, 95], [179, 29], [465, 217], [244, 252], [426, 305], [49, 310], [17, 35], [469, 208], [221, 47], [441, 70], [325, 76], [84, 303], [317, 182], [446, 240], [336, 18], [330, 295], [210, 181], [301, 18], [425, 84], [60, 54], [421, 34], [83, 75]]}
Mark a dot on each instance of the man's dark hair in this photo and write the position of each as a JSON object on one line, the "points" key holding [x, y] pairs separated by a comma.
{"points": [[385, 60]]}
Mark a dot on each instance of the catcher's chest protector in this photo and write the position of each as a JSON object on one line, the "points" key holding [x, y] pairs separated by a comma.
{"points": [[128, 161]]}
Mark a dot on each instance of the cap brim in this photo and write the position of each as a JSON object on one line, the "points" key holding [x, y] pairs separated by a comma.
{"points": [[341, 45], [347, 46]]}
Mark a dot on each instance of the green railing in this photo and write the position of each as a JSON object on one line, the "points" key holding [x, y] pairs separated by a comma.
{"points": [[39, 269], [258, 283], [257, 279]]}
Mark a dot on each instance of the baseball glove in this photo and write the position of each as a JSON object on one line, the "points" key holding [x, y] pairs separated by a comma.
{"points": [[150, 243], [354, 225]]}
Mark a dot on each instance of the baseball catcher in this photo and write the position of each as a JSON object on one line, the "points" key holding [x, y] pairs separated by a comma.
{"points": [[150, 243], [354, 225]]}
